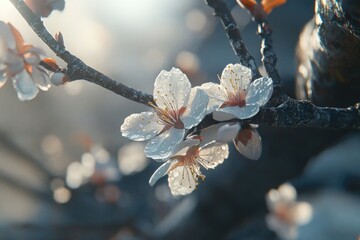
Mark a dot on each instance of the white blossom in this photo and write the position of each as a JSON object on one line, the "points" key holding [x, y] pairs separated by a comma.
{"points": [[248, 142], [20, 63], [246, 138], [285, 213], [236, 96], [177, 107], [183, 167]]}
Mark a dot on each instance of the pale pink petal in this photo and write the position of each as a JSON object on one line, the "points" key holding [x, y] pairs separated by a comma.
{"points": [[14, 64], [41, 79], [248, 143], [183, 179], [259, 91], [32, 59], [302, 213], [196, 108], [284, 230], [161, 146], [287, 192], [217, 96], [227, 132], [6, 36], [159, 173], [141, 126], [245, 112], [171, 89], [24, 86], [235, 77], [183, 146], [212, 155]]}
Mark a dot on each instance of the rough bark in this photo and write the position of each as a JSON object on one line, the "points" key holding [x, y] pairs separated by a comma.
{"points": [[328, 55]]}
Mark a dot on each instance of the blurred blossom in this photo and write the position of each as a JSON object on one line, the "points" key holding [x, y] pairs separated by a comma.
{"points": [[188, 62], [100, 154], [51, 145], [131, 158], [20, 62], [285, 213], [195, 20], [62, 195], [74, 175]]}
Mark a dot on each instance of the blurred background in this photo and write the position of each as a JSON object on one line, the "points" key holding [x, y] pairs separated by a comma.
{"points": [[66, 172]]}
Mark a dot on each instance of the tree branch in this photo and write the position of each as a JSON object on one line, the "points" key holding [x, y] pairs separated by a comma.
{"points": [[290, 114], [76, 68]]}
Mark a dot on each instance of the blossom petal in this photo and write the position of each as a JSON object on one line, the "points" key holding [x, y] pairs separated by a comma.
{"points": [[248, 143], [41, 79], [303, 212], [196, 108], [217, 96], [245, 112], [159, 173], [259, 91], [183, 179], [282, 229], [161, 146], [6, 36], [24, 86], [212, 155], [227, 132], [287, 192], [141, 126], [181, 148], [235, 77], [171, 89]]}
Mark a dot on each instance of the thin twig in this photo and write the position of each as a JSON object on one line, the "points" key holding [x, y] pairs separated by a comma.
{"points": [[233, 34], [269, 58], [76, 68]]}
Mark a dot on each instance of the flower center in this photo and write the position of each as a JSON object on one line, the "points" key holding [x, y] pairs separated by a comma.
{"points": [[169, 116], [235, 99]]}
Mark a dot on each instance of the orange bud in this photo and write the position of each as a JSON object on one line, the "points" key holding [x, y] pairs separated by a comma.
{"points": [[248, 4], [51, 63], [269, 5]]}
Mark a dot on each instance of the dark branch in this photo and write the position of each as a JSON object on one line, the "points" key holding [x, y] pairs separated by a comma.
{"points": [[291, 114], [269, 58], [77, 69]]}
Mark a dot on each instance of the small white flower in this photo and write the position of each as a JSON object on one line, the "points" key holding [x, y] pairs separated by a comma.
{"points": [[20, 62], [183, 167], [178, 107], [248, 142], [246, 139], [237, 96], [285, 213]]}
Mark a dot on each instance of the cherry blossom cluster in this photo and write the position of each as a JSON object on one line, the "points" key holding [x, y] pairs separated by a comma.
{"points": [[23, 64], [178, 108]]}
